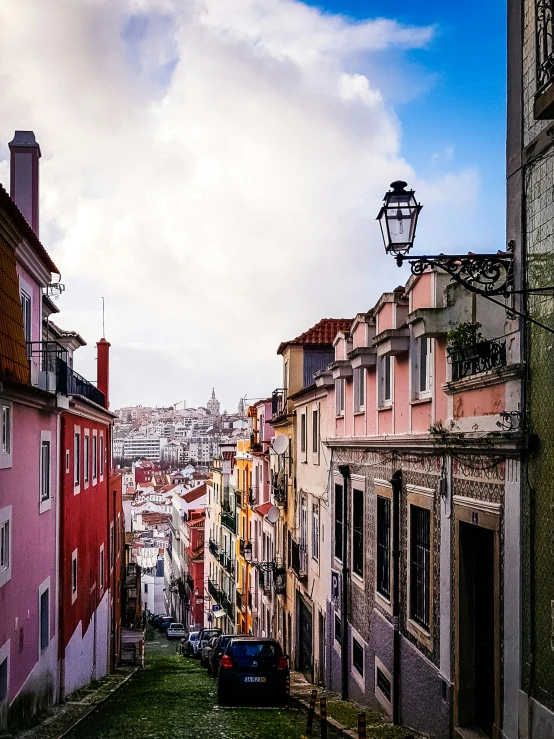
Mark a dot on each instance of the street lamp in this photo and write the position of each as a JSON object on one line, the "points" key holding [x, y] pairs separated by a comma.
{"points": [[485, 274], [248, 552], [398, 218]]}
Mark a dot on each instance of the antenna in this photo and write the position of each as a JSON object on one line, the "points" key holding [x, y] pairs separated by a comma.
{"points": [[103, 320]]}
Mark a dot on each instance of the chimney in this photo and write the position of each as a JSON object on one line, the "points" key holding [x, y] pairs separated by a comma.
{"points": [[103, 368], [25, 153]]}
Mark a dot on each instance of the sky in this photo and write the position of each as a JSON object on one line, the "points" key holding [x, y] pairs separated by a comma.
{"points": [[213, 168]]}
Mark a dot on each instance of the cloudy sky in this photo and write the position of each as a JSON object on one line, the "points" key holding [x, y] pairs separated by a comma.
{"points": [[213, 168]]}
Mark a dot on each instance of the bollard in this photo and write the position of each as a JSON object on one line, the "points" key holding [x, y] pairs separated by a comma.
{"points": [[323, 715], [362, 726], [311, 711], [287, 693]]}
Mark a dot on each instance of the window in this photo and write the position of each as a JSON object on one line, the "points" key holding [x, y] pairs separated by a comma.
{"points": [[6, 429], [44, 624], [67, 462], [420, 565], [27, 319], [339, 397], [5, 548], [383, 686], [101, 456], [87, 458], [44, 471], [77, 460], [101, 568], [385, 381], [303, 432], [358, 532], [338, 630], [146, 587], [74, 576], [112, 546], [338, 521], [315, 432], [421, 367], [94, 456], [383, 546], [357, 656], [359, 389], [315, 531], [4, 679]]}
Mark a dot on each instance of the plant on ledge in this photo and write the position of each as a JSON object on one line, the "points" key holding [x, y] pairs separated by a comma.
{"points": [[463, 340]]}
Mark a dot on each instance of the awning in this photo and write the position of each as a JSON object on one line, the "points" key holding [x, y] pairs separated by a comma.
{"points": [[219, 614]]}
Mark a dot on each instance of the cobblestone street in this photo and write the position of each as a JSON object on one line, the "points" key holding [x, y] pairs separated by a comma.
{"points": [[173, 698]]}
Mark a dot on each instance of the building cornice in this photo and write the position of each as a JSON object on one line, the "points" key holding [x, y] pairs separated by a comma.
{"points": [[502, 443]]}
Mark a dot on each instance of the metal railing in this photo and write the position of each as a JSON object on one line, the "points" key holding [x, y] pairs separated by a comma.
{"points": [[227, 563], [214, 548], [240, 600], [544, 14], [215, 592], [278, 402], [476, 358], [241, 547], [52, 359], [299, 559], [229, 520]]}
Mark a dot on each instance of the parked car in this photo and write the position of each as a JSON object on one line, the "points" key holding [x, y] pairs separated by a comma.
{"points": [[164, 622], [188, 646], [175, 631], [253, 667], [216, 650], [204, 637], [156, 618]]}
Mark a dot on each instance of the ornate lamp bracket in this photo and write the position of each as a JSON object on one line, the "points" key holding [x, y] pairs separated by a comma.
{"points": [[484, 274]]}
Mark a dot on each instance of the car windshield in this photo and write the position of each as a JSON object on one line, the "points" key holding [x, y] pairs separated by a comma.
{"points": [[176, 626], [193, 637], [223, 642], [209, 634], [255, 649]]}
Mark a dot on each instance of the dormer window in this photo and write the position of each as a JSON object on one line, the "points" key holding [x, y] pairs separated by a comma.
{"points": [[27, 316]]}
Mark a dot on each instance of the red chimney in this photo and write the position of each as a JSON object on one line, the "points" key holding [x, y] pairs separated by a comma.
{"points": [[25, 153], [103, 368]]}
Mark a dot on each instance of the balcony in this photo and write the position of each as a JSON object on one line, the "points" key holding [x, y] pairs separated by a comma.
{"points": [[215, 592], [253, 495], [475, 358], [239, 498], [278, 403], [227, 563], [240, 600], [299, 559], [255, 445], [229, 520], [50, 371], [241, 547], [545, 59], [214, 548]]}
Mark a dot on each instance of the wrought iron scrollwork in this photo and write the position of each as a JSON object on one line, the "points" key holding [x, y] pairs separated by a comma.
{"points": [[545, 45], [485, 274]]}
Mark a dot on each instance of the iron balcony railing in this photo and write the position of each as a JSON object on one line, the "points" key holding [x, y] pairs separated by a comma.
{"points": [[278, 402], [229, 520], [52, 360], [239, 498], [227, 606], [240, 600], [215, 592], [241, 547], [480, 357], [227, 563], [214, 548]]}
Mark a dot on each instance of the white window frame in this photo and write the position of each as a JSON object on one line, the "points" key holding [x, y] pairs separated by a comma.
{"points": [[112, 546], [5, 652], [25, 289], [381, 697], [6, 518], [46, 504], [74, 580], [358, 484], [359, 387], [94, 456], [102, 456], [86, 459], [353, 634], [417, 392], [315, 531], [44, 586], [67, 461], [77, 459], [385, 402], [6, 441], [383, 489], [102, 568], [339, 397]]}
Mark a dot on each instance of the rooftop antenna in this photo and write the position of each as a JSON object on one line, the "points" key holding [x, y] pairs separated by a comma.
{"points": [[103, 320]]}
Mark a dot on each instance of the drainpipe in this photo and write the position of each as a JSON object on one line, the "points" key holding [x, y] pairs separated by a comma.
{"points": [[344, 470], [61, 561], [396, 482]]}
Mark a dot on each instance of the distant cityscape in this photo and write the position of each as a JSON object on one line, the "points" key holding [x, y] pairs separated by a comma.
{"points": [[174, 437]]}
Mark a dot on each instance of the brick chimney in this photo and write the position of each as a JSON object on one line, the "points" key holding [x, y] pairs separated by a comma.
{"points": [[103, 368], [24, 175]]}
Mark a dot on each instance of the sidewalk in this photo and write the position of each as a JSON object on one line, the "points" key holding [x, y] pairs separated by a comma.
{"points": [[343, 715], [61, 718]]}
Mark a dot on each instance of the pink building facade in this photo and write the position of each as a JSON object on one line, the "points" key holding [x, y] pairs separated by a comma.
{"points": [[425, 491]]}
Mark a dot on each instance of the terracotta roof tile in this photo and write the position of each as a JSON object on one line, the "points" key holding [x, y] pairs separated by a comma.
{"points": [[323, 333], [263, 509], [13, 352]]}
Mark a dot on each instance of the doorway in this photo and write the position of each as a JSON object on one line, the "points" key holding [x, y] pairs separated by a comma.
{"points": [[304, 639], [321, 629], [476, 629]]}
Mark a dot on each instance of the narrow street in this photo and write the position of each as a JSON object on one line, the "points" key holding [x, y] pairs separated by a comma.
{"points": [[173, 698]]}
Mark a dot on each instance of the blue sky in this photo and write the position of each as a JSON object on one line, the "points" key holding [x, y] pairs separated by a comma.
{"points": [[462, 105]]}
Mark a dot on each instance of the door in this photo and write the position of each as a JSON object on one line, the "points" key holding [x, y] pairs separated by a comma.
{"points": [[321, 629], [305, 640], [476, 682]]}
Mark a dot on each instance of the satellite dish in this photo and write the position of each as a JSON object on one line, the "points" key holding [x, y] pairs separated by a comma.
{"points": [[273, 514], [281, 444]]}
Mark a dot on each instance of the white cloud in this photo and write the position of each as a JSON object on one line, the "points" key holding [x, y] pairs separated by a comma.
{"points": [[213, 169]]}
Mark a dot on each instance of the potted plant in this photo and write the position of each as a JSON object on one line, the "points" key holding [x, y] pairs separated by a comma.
{"points": [[464, 340]]}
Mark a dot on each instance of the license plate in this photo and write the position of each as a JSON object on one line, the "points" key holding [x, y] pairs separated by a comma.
{"points": [[254, 679]]}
